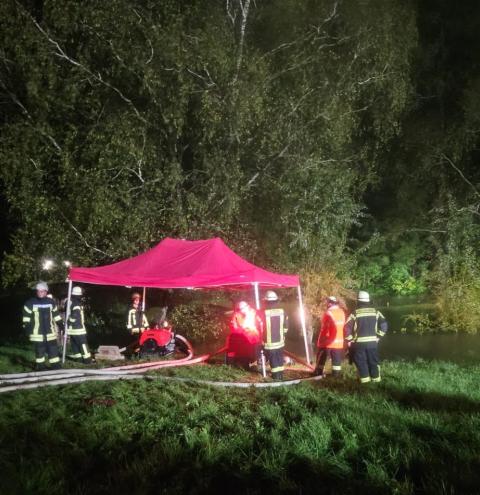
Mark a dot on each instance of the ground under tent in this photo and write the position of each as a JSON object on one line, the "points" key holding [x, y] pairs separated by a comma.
{"points": [[182, 264]]}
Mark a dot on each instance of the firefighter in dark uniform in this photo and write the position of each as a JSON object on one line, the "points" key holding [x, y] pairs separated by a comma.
{"points": [[364, 328], [136, 321], [40, 318], [275, 325], [76, 328]]}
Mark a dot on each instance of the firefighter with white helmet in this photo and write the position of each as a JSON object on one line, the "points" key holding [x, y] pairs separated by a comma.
{"points": [[364, 328], [245, 339], [275, 324], [76, 328], [330, 340], [40, 318]]}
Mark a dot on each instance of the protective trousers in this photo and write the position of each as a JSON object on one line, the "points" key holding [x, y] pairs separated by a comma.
{"points": [[50, 348], [365, 357], [80, 348], [275, 358], [336, 355]]}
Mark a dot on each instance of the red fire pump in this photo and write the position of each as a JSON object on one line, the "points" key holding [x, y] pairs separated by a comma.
{"points": [[160, 341]]}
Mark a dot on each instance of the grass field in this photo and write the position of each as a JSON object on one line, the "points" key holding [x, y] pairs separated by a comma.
{"points": [[416, 432]]}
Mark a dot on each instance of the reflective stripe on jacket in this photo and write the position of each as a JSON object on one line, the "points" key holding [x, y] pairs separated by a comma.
{"points": [[331, 333], [275, 327], [136, 320], [365, 325], [40, 317], [76, 320]]}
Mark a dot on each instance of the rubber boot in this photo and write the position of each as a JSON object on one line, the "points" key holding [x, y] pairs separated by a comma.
{"points": [[40, 367], [87, 361], [277, 376], [56, 366]]}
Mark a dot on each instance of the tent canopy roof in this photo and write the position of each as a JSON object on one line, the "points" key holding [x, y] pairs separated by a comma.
{"points": [[177, 263]]}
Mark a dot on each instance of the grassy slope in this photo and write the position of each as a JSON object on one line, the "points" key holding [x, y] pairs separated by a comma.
{"points": [[416, 432]]}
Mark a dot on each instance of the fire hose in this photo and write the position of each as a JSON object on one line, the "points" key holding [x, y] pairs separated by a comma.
{"points": [[21, 381]]}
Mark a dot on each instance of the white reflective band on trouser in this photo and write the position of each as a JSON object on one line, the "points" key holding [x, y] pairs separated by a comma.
{"points": [[337, 368], [366, 339], [365, 380], [378, 379], [76, 331], [54, 360], [277, 369], [40, 360], [86, 353], [276, 345]]}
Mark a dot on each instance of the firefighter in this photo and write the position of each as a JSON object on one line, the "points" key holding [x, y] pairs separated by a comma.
{"points": [[76, 328], [275, 324], [364, 328], [40, 318], [136, 321], [330, 340], [245, 339]]}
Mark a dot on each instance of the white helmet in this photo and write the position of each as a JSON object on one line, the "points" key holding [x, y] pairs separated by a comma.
{"points": [[270, 295], [77, 291], [242, 305], [42, 286], [363, 296], [332, 299]]}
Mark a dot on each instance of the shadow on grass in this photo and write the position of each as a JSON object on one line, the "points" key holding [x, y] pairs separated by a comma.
{"points": [[431, 401], [150, 468]]}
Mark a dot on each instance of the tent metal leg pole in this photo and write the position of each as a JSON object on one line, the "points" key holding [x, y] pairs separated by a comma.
{"points": [[302, 321], [257, 295], [143, 298], [67, 316]]}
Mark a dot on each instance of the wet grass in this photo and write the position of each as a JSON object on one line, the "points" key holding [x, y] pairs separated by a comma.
{"points": [[416, 432]]}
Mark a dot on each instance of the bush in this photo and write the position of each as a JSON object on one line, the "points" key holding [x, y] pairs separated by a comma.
{"points": [[199, 322], [458, 302], [419, 323]]}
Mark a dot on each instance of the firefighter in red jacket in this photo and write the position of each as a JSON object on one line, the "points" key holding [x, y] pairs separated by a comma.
{"points": [[275, 324], [245, 339], [364, 328], [136, 321], [330, 340]]}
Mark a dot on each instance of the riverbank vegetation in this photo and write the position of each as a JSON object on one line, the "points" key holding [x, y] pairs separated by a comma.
{"points": [[314, 137], [416, 432]]}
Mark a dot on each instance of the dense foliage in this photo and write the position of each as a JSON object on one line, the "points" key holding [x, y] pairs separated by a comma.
{"points": [[313, 136]]}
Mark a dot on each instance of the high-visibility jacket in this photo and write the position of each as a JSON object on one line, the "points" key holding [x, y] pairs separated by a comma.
{"points": [[249, 324], [136, 320], [365, 325], [331, 332], [40, 317], [275, 324], [76, 319]]}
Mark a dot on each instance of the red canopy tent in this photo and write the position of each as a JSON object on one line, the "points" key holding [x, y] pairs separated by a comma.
{"points": [[178, 263]]}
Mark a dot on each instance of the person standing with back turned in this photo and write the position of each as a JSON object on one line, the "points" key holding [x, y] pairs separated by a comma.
{"points": [[76, 328], [364, 328], [275, 324], [330, 340]]}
